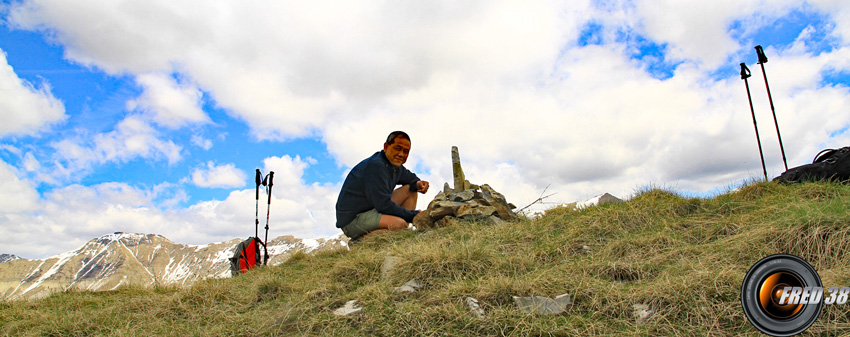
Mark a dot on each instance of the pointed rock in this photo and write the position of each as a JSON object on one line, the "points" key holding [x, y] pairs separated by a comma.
{"points": [[457, 171]]}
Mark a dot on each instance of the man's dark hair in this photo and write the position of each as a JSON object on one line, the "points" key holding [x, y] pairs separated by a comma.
{"points": [[393, 135]]}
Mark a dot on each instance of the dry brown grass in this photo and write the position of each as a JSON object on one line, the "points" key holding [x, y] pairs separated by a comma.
{"points": [[683, 257]]}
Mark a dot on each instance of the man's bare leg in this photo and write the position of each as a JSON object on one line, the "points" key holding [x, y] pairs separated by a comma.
{"points": [[404, 198]]}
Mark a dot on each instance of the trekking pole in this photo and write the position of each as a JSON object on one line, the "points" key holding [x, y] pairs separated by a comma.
{"points": [[745, 73], [270, 178], [259, 180], [762, 61]]}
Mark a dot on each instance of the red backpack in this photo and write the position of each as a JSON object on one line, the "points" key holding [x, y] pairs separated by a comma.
{"points": [[247, 256]]}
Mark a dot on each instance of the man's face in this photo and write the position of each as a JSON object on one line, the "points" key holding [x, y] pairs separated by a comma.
{"points": [[398, 151]]}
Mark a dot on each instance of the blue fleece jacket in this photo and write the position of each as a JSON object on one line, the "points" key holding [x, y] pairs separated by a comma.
{"points": [[369, 185]]}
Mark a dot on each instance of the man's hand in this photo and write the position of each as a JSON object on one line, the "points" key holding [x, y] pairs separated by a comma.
{"points": [[422, 186]]}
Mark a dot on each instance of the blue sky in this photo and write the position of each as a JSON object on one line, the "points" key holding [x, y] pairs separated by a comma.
{"points": [[151, 116]]}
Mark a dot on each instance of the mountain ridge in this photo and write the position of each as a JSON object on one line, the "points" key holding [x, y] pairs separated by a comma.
{"points": [[116, 259]]}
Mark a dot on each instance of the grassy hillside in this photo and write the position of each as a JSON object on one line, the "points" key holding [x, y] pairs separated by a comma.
{"points": [[685, 258]]}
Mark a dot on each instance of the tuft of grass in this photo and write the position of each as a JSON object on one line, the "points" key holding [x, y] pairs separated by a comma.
{"points": [[685, 258]]}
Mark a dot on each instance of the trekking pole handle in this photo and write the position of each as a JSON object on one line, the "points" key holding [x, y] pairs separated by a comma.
{"points": [[270, 177], [745, 72], [760, 52], [259, 180]]}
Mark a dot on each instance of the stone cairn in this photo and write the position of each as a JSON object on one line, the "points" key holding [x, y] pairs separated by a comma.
{"points": [[465, 201]]}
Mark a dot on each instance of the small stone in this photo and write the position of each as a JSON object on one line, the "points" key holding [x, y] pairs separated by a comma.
{"points": [[491, 195], [439, 197], [464, 195], [642, 312], [475, 212], [443, 208], [446, 188], [350, 308], [409, 287], [563, 301], [495, 220], [538, 305], [466, 185], [389, 266], [476, 310], [443, 222], [423, 221]]}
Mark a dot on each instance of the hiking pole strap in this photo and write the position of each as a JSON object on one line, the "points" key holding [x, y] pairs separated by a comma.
{"points": [[259, 180], [760, 52], [271, 178], [745, 72]]}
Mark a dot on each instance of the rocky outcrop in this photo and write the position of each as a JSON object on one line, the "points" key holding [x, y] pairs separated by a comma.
{"points": [[465, 201], [8, 257]]}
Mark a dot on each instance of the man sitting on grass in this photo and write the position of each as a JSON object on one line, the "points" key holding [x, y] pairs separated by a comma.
{"points": [[369, 201]]}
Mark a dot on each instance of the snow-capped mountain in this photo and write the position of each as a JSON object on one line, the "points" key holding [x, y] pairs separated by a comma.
{"points": [[117, 259]]}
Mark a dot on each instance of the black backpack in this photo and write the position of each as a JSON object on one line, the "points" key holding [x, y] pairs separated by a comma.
{"points": [[829, 164]]}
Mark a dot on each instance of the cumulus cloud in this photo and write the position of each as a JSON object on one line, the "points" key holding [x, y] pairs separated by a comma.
{"points": [[218, 176], [133, 137], [170, 104], [69, 216], [310, 62], [16, 195], [201, 142], [25, 109]]}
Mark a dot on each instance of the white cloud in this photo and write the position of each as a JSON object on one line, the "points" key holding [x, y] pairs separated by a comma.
{"points": [[171, 104], [700, 31], [839, 10], [16, 195], [201, 142], [69, 216], [133, 137], [25, 109], [218, 176], [310, 63]]}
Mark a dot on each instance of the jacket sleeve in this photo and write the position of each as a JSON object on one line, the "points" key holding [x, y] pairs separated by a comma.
{"points": [[408, 177], [379, 191]]}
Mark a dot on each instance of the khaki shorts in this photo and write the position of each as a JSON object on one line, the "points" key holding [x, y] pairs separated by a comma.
{"points": [[364, 223]]}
